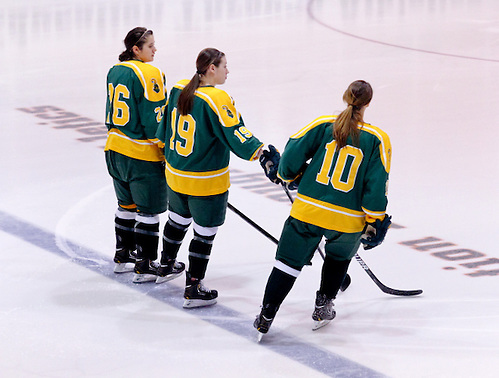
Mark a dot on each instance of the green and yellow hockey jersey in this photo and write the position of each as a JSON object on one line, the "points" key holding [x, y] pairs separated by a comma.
{"points": [[198, 145], [339, 190], [136, 100]]}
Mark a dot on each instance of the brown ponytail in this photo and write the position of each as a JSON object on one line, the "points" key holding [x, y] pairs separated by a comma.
{"points": [[205, 58], [357, 95]]}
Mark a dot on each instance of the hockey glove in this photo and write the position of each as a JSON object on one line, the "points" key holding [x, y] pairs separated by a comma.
{"points": [[293, 185], [269, 160], [374, 233]]}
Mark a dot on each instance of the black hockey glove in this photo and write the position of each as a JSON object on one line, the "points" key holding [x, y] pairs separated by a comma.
{"points": [[293, 185], [269, 160], [374, 233]]}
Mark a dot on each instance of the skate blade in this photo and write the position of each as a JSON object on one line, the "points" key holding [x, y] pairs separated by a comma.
{"points": [[124, 267], [319, 324], [160, 280], [193, 303], [140, 278], [259, 337]]}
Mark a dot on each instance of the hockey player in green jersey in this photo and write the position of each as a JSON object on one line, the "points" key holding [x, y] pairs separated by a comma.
{"points": [[136, 100], [341, 166], [200, 129]]}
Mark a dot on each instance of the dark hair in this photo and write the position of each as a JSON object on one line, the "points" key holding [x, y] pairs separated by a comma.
{"points": [[135, 37], [205, 58], [358, 94]]}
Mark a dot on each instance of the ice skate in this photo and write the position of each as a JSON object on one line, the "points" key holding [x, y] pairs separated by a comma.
{"points": [[124, 261], [197, 295], [323, 312], [262, 325], [264, 320], [170, 271], [145, 271]]}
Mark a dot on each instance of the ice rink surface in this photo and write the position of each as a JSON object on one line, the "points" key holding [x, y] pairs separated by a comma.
{"points": [[434, 67]]}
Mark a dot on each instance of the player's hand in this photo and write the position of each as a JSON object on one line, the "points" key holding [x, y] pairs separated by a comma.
{"points": [[269, 160], [374, 233]]}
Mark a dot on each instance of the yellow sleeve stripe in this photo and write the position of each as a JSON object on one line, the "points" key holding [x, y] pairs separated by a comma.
{"points": [[255, 154], [371, 216], [313, 124], [286, 180], [374, 214]]}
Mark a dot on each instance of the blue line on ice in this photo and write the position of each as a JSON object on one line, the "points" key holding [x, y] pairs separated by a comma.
{"points": [[224, 317]]}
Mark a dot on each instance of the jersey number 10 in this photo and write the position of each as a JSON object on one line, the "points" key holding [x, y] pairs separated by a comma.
{"points": [[345, 168]]}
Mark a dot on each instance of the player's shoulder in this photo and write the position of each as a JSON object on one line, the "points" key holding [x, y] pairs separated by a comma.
{"points": [[181, 84], [137, 70], [137, 65], [375, 131], [319, 122], [217, 95]]}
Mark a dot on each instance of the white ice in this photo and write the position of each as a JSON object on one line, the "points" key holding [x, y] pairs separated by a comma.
{"points": [[434, 67]]}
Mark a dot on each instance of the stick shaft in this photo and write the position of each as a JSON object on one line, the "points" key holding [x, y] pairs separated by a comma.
{"points": [[255, 225]]}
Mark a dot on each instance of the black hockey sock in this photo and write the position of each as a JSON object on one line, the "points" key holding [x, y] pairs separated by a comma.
{"points": [[333, 273], [278, 287], [173, 235], [199, 255], [125, 237], [147, 239]]}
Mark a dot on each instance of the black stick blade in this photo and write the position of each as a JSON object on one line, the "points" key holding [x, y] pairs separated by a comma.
{"points": [[384, 288]]}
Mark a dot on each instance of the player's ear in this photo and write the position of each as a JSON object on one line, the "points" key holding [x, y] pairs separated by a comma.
{"points": [[211, 68], [135, 50]]}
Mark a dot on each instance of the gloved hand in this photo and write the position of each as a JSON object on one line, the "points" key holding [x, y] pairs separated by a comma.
{"points": [[374, 233], [269, 160], [293, 185]]}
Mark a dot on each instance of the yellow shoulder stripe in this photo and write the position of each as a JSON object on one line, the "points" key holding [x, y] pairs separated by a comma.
{"points": [[151, 78], [219, 101], [385, 147], [316, 122]]}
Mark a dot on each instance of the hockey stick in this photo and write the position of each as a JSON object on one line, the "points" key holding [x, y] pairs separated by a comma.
{"points": [[347, 279], [252, 223], [384, 288]]}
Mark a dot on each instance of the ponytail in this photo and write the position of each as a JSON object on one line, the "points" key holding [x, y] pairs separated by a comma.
{"points": [[358, 94], [126, 55], [205, 58], [186, 98]]}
